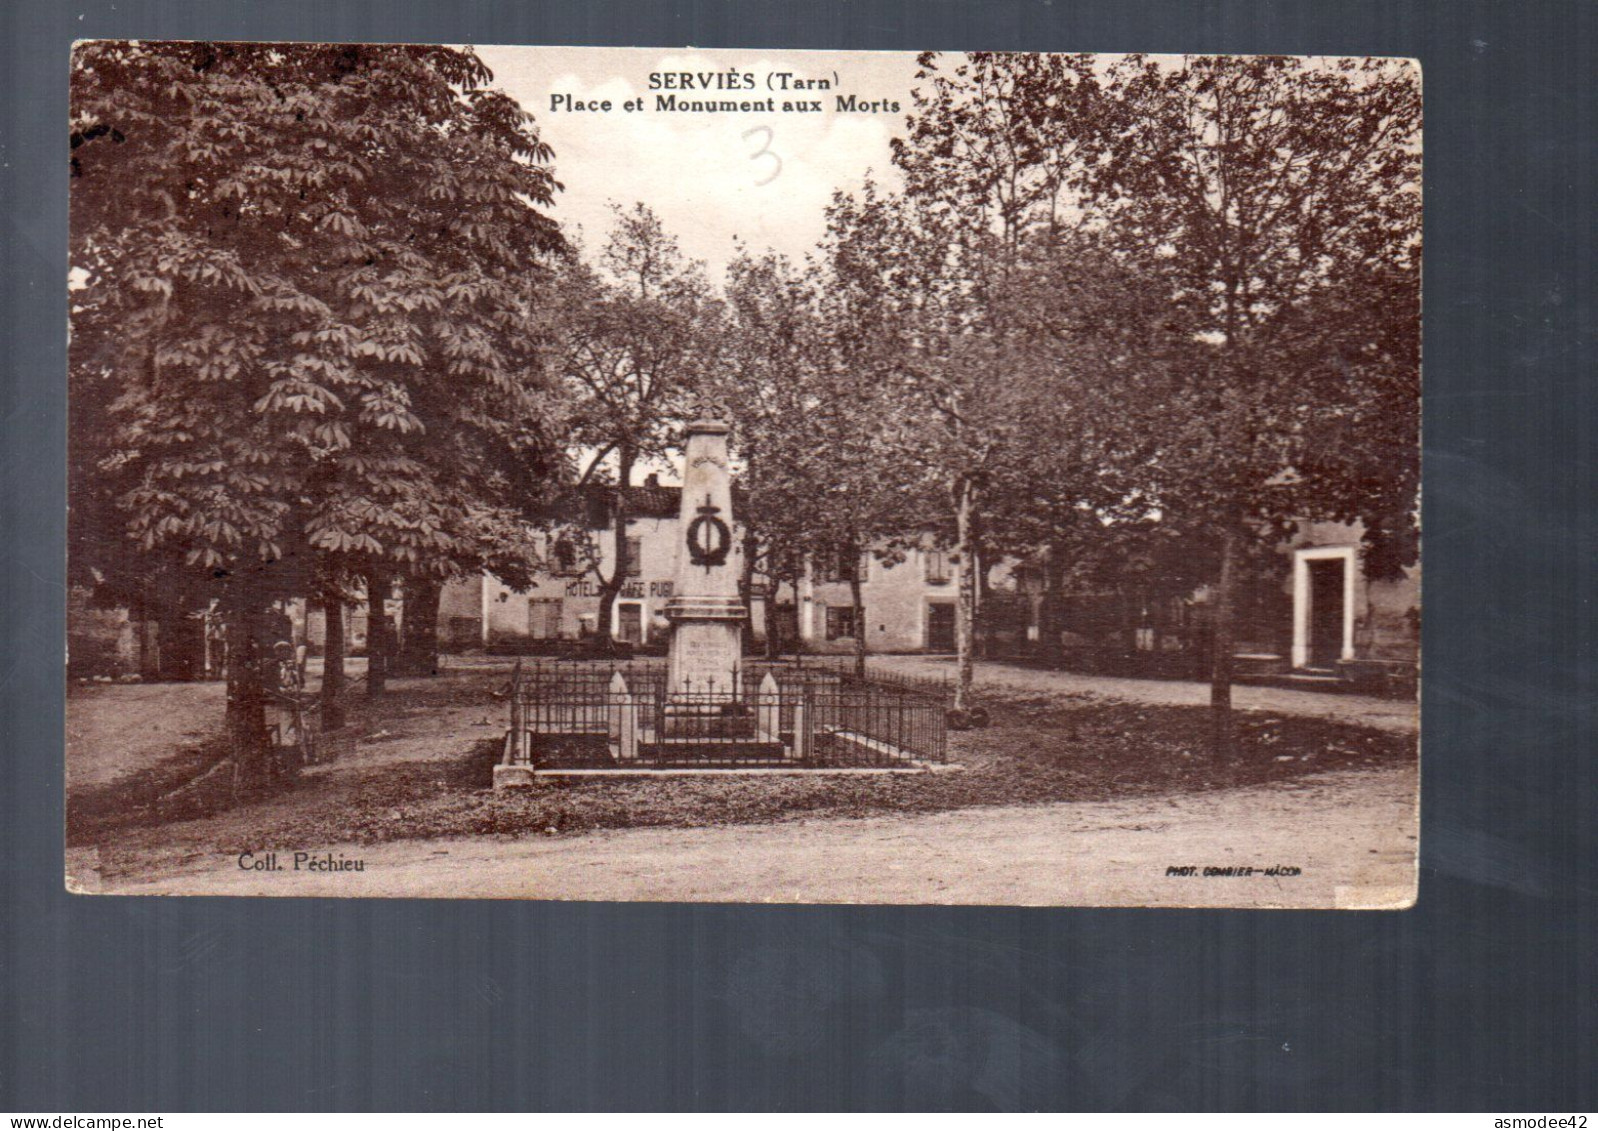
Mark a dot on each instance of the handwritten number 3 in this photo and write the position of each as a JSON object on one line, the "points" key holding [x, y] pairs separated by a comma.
{"points": [[764, 151]]}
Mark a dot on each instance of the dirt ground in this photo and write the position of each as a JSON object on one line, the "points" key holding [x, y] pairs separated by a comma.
{"points": [[1071, 797], [116, 729], [1397, 715], [1351, 836]]}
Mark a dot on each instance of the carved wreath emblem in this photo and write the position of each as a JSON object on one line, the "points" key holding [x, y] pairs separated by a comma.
{"points": [[709, 540]]}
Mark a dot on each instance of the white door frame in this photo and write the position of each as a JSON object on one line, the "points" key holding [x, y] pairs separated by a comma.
{"points": [[1349, 556]]}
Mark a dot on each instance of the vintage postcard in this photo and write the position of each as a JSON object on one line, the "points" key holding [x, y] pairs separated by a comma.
{"points": [[744, 476]]}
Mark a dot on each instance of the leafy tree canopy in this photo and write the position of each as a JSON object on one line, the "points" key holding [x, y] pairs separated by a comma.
{"points": [[306, 274]]}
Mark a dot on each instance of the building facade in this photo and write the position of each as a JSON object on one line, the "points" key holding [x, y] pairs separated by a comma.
{"points": [[908, 601], [1339, 614], [1311, 607], [563, 602], [1316, 611]]}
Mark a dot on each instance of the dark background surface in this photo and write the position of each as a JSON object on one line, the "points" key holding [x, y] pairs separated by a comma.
{"points": [[1481, 998]]}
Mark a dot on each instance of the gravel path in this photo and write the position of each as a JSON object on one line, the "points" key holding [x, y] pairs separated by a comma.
{"points": [[1395, 715], [1352, 835]]}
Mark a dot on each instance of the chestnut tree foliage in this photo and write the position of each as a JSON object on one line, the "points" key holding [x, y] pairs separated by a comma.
{"points": [[300, 352]]}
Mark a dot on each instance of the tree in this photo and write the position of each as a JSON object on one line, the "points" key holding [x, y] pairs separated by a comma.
{"points": [[298, 345], [1278, 198], [810, 425], [986, 162], [1073, 496], [989, 153], [1253, 224], [762, 385], [636, 332]]}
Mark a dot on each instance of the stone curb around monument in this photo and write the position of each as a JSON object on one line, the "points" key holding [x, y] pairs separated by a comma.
{"points": [[521, 777]]}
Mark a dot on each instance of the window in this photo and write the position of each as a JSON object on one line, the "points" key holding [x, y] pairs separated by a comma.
{"points": [[841, 564], [565, 555], [635, 556], [937, 567], [840, 622]]}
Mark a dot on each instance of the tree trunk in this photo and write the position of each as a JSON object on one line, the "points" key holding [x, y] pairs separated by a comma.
{"points": [[419, 651], [859, 621], [773, 627], [145, 660], [746, 589], [1221, 647], [1049, 612], [796, 575], [610, 587], [379, 632], [980, 620], [249, 664], [333, 663], [965, 607]]}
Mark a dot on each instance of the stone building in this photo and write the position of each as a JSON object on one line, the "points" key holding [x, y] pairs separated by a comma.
{"points": [[909, 604], [1311, 608], [563, 602], [1338, 615]]}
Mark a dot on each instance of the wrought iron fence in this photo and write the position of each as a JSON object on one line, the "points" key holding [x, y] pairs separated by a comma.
{"points": [[847, 669], [814, 671], [593, 715]]}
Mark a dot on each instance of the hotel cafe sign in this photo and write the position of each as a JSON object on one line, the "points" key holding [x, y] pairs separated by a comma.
{"points": [[631, 591]]}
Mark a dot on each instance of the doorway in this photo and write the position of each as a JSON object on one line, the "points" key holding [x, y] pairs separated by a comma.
{"points": [[940, 626], [630, 622], [543, 617], [1326, 586], [782, 628]]}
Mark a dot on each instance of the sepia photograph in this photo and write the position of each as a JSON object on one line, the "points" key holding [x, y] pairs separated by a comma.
{"points": [[743, 476]]}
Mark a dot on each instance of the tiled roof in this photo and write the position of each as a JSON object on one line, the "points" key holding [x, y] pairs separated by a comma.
{"points": [[654, 501], [643, 501]]}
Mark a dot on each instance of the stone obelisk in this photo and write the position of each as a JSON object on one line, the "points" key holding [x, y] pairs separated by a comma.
{"points": [[705, 611]]}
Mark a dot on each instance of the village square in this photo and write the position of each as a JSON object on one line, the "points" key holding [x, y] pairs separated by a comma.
{"points": [[1031, 520]]}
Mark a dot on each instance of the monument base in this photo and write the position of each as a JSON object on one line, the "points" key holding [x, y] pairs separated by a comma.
{"points": [[727, 721], [706, 647]]}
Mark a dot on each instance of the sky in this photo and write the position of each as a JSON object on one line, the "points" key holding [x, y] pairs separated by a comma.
{"points": [[712, 178]]}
